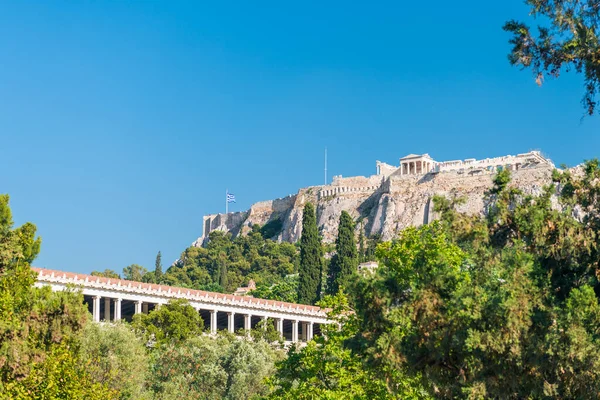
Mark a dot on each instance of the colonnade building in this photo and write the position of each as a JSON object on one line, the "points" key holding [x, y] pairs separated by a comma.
{"points": [[111, 299]]}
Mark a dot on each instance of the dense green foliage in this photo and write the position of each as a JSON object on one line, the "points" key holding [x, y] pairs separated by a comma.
{"points": [[345, 260], [501, 306], [233, 261], [212, 368], [39, 355], [173, 322], [272, 228], [569, 40], [284, 290], [311, 258], [328, 369], [134, 272], [107, 273], [113, 355]]}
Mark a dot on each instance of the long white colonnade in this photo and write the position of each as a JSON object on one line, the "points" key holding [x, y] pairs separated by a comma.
{"points": [[111, 299]]}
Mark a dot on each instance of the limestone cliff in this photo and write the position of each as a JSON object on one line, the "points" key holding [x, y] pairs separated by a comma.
{"points": [[385, 203]]}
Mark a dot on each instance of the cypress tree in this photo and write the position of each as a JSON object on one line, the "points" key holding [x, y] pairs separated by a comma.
{"points": [[361, 245], [311, 258], [345, 261], [158, 268], [223, 276]]}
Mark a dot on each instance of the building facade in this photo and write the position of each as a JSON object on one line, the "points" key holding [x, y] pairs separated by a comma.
{"points": [[115, 299]]}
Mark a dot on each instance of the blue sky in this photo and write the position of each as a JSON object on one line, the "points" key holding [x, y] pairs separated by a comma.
{"points": [[122, 123]]}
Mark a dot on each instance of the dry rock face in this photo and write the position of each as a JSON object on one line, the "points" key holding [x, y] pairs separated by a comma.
{"points": [[387, 202]]}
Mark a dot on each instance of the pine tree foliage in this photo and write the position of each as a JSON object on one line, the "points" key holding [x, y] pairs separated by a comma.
{"points": [[244, 257], [345, 261], [311, 258], [568, 39]]}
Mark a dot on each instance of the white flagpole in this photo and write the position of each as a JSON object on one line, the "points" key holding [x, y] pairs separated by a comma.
{"points": [[226, 201], [325, 165]]}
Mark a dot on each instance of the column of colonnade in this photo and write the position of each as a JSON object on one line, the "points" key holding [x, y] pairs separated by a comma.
{"points": [[416, 167], [143, 307]]}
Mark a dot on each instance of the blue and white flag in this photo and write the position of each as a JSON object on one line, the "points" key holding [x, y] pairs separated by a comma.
{"points": [[230, 198]]}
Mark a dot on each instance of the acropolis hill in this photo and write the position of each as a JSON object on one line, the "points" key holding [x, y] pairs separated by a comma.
{"points": [[392, 199]]}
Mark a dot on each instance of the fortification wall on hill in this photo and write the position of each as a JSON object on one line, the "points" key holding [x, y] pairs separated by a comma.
{"points": [[383, 204]]}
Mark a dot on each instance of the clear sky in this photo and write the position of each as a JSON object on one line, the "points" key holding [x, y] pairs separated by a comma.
{"points": [[122, 123]]}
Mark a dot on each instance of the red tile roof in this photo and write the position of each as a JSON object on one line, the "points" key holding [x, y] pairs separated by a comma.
{"points": [[173, 289]]}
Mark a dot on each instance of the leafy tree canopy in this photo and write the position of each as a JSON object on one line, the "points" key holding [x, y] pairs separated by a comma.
{"points": [[172, 322], [38, 328], [284, 290], [111, 353], [567, 40], [213, 368], [107, 273], [134, 272]]}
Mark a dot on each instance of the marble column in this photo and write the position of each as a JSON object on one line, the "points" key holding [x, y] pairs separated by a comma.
{"points": [[145, 308], [279, 325], [138, 307], [231, 322], [248, 322], [118, 302], [294, 331], [96, 308], [213, 321], [107, 309], [310, 331]]}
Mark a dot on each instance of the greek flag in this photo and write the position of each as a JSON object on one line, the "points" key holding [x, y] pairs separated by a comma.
{"points": [[230, 198]]}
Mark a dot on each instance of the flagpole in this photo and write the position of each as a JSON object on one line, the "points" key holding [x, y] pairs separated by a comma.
{"points": [[226, 201]]}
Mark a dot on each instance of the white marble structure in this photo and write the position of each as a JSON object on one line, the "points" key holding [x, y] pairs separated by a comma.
{"points": [[114, 299], [415, 164]]}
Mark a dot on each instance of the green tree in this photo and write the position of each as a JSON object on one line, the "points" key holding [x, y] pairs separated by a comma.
{"points": [[134, 272], [284, 290], [223, 276], [113, 355], [501, 306], [327, 369], [107, 273], [362, 250], [59, 375], [212, 368], [311, 258], [236, 260], [569, 40], [345, 261], [38, 327], [173, 322], [158, 268]]}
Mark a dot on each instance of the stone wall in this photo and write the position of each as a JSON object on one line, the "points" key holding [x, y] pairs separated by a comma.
{"points": [[491, 165], [384, 205], [231, 222]]}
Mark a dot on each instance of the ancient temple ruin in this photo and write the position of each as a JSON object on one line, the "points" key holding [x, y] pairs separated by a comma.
{"points": [[414, 164], [395, 197]]}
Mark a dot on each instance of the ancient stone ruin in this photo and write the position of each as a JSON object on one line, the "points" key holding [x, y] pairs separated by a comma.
{"points": [[392, 199]]}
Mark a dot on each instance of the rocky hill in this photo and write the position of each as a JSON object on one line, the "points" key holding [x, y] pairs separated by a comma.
{"points": [[394, 198]]}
